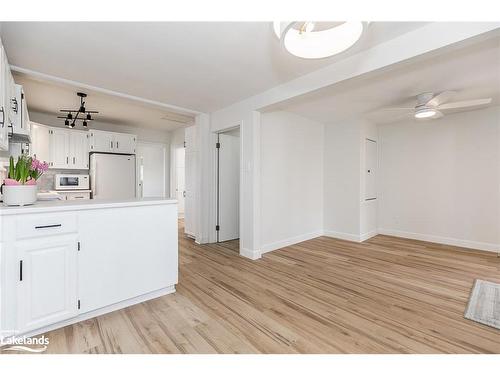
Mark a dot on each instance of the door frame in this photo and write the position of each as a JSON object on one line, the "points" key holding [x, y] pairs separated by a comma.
{"points": [[216, 179]]}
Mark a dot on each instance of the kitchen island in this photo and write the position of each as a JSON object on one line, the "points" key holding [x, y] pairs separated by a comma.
{"points": [[67, 261]]}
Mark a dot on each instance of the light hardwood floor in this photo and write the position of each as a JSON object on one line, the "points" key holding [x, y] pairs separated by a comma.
{"points": [[386, 295]]}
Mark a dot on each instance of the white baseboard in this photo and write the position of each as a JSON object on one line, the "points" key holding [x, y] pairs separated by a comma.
{"points": [[290, 241], [342, 235], [368, 235], [442, 240], [250, 254]]}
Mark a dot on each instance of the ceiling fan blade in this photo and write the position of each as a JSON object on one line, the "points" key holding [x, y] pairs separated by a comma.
{"points": [[465, 103], [398, 109], [440, 98], [437, 115]]}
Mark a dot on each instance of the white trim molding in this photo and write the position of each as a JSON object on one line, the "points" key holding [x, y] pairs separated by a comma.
{"points": [[342, 235], [250, 254], [68, 82], [290, 241], [476, 245], [368, 235]]}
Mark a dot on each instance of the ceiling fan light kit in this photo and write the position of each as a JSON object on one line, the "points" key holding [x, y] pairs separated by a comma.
{"points": [[430, 106], [316, 40], [425, 113], [86, 114]]}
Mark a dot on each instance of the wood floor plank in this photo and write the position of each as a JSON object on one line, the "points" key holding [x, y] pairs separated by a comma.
{"points": [[385, 295]]}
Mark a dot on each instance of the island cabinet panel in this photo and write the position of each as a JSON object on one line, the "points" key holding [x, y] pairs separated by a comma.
{"points": [[126, 252], [47, 284], [64, 262]]}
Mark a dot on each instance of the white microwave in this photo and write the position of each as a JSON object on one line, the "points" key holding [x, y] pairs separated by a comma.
{"points": [[71, 182]]}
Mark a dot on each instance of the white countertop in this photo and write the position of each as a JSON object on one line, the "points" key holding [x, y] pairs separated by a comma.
{"points": [[48, 206]]}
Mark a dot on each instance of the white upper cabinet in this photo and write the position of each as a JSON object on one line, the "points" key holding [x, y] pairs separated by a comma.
{"points": [[101, 141], [4, 100], [118, 143], [68, 149], [19, 115], [125, 143], [40, 136], [59, 148], [79, 149]]}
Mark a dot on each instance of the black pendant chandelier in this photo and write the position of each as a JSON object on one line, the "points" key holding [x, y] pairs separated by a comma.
{"points": [[80, 114]]}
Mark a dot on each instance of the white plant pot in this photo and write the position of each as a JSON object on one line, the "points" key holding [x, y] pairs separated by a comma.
{"points": [[19, 195]]}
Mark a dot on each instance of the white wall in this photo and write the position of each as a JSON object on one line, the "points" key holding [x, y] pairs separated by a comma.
{"points": [[342, 179], [440, 180], [291, 179]]}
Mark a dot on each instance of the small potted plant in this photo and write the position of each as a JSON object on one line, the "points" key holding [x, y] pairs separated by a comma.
{"points": [[20, 189]]}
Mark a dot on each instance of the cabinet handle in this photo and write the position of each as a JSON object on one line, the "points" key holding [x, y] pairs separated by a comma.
{"points": [[74, 160], [20, 270], [67, 159], [117, 144], [48, 226], [111, 143], [15, 106], [3, 117]]}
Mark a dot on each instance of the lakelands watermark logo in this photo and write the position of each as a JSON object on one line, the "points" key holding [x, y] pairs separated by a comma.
{"points": [[24, 344]]}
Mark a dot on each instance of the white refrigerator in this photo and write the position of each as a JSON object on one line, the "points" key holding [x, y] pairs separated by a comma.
{"points": [[112, 176]]}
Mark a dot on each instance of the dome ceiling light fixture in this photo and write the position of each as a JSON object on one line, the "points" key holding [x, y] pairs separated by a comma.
{"points": [[86, 115], [317, 40]]}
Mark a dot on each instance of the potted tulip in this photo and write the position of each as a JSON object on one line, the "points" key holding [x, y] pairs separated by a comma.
{"points": [[20, 189]]}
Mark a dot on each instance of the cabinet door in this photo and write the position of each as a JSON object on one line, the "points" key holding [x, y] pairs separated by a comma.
{"points": [[101, 141], [79, 150], [47, 281], [4, 134], [59, 148], [40, 139], [125, 143]]}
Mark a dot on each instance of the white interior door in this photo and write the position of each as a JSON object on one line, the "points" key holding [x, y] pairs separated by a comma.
{"points": [[180, 188], [151, 169], [370, 169], [228, 187], [191, 153]]}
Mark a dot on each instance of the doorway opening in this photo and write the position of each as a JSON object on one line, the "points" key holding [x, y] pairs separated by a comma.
{"points": [[228, 187]]}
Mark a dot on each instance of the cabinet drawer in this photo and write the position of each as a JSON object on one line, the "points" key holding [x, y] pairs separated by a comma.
{"points": [[45, 225]]}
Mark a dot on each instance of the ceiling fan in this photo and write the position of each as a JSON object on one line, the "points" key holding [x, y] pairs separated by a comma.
{"points": [[430, 106]]}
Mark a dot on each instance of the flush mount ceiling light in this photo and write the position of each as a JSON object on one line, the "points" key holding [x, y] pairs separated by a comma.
{"points": [[70, 119], [316, 40]]}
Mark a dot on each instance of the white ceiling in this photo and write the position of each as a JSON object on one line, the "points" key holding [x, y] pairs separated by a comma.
{"points": [[49, 98], [473, 71], [202, 66]]}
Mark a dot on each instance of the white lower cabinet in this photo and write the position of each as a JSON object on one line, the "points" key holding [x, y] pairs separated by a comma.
{"points": [[60, 266], [47, 286]]}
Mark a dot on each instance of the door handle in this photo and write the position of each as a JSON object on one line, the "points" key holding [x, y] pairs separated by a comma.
{"points": [[20, 270], [3, 117]]}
